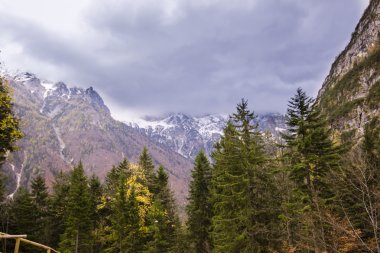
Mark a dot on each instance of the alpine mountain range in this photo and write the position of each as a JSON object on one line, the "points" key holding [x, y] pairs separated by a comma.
{"points": [[66, 125]]}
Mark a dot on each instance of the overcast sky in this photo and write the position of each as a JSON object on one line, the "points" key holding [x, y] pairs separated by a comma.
{"points": [[151, 57]]}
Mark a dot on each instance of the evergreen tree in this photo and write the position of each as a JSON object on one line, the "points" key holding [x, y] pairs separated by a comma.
{"points": [[244, 218], [23, 215], [95, 200], [162, 216], [113, 177], [124, 206], [40, 198], [58, 208], [146, 164], [76, 237], [312, 156], [40, 193], [9, 124], [199, 210], [119, 218], [133, 238]]}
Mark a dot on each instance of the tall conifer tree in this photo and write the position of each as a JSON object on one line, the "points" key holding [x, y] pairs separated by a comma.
{"points": [[199, 210], [146, 164], [40, 198], [244, 216], [96, 192], [312, 156], [162, 218], [23, 215], [58, 207], [76, 237]]}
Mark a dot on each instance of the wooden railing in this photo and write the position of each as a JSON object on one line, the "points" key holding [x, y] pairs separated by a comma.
{"points": [[22, 238]]}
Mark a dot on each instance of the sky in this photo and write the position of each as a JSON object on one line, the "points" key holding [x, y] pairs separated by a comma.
{"points": [[150, 57]]}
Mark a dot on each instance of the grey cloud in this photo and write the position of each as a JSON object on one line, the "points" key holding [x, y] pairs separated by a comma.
{"points": [[205, 56]]}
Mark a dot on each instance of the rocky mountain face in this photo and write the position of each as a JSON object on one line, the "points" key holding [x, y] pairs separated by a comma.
{"points": [[350, 95], [64, 126], [187, 135]]}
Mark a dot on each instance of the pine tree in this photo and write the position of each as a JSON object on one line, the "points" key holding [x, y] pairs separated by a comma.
{"points": [[244, 218], [114, 176], [58, 208], [125, 206], [9, 124], [22, 215], [199, 210], [95, 200], [40, 198], [162, 216], [119, 217], [40, 192], [76, 237], [133, 238], [146, 164], [312, 156]]}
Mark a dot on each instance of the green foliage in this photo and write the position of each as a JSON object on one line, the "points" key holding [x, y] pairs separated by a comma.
{"points": [[77, 235], [344, 109], [146, 164], [347, 137], [312, 156], [199, 209], [40, 198], [96, 192], [58, 207], [162, 217], [374, 96], [113, 177], [9, 124], [337, 99], [23, 215], [244, 214]]}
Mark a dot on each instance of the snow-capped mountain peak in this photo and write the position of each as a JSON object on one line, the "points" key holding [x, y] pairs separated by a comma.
{"points": [[187, 135]]}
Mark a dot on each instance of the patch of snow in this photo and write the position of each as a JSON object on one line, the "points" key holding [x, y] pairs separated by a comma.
{"points": [[211, 124], [62, 144], [18, 180], [141, 123], [18, 175], [23, 76], [179, 150], [279, 129], [49, 86]]}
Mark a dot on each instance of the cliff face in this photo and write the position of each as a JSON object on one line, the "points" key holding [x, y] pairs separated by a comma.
{"points": [[350, 95], [65, 125]]}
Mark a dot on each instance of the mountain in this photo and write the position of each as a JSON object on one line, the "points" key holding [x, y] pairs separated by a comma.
{"points": [[187, 135], [64, 126], [350, 95], [67, 125]]}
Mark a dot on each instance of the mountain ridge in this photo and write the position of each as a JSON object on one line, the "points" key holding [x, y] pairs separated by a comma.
{"points": [[67, 125], [64, 126]]}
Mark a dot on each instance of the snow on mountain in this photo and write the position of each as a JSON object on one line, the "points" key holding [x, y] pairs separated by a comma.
{"points": [[64, 125], [187, 135]]}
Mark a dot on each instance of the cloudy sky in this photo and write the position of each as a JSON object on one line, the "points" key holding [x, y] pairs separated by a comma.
{"points": [[150, 57]]}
